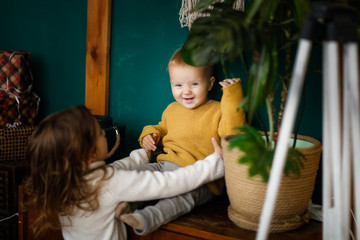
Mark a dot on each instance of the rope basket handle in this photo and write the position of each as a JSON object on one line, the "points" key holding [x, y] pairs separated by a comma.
{"points": [[117, 143]]}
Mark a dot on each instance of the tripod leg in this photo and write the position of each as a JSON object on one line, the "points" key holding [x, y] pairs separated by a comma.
{"points": [[332, 142], [352, 82], [292, 103], [327, 186], [346, 152]]}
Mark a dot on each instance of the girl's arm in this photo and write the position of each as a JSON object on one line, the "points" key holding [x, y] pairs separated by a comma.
{"points": [[145, 185]]}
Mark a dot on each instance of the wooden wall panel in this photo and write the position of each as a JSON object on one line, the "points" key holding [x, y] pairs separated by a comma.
{"points": [[98, 56]]}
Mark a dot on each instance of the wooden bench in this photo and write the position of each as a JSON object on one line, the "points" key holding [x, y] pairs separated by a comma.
{"points": [[209, 221]]}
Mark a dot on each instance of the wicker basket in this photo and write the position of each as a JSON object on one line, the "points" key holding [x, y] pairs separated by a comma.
{"points": [[247, 195], [13, 142]]}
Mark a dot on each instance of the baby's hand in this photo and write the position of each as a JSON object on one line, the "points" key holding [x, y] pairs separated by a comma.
{"points": [[149, 142], [228, 82], [217, 147]]}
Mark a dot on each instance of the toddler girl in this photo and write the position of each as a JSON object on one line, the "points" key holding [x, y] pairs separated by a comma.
{"points": [[70, 186]]}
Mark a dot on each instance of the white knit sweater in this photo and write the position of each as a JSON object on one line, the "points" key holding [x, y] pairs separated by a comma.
{"points": [[130, 185]]}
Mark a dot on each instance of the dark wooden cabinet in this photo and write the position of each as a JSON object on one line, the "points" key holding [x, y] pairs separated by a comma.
{"points": [[11, 175]]}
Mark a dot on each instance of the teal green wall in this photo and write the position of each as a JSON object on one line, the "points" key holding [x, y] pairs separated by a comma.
{"points": [[144, 36], [55, 34]]}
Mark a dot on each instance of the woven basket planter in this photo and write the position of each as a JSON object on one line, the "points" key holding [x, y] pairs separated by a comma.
{"points": [[246, 195]]}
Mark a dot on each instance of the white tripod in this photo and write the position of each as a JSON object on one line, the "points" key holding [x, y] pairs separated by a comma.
{"points": [[341, 122]]}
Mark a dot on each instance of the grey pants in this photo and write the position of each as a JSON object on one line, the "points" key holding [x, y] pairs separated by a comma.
{"points": [[168, 209]]}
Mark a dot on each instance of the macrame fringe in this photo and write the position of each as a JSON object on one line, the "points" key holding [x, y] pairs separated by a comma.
{"points": [[187, 17]]}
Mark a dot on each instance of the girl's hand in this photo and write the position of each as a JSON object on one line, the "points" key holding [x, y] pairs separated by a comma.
{"points": [[149, 142], [228, 82], [122, 208], [217, 147]]}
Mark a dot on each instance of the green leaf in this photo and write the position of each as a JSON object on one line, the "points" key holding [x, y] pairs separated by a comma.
{"points": [[254, 7], [202, 4], [224, 34], [258, 155], [301, 10]]}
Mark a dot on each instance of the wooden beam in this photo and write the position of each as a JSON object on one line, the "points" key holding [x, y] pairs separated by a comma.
{"points": [[98, 56]]}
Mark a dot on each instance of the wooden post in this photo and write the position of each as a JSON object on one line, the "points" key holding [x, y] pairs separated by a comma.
{"points": [[98, 56]]}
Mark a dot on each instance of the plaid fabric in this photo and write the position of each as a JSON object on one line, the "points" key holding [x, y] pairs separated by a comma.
{"points": [[13, 142], [8, 109], [28, 108], [15, 74], [16, 111]]}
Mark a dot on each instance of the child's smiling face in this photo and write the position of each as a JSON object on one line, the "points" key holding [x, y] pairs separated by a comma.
{"points": [[189, 85]]}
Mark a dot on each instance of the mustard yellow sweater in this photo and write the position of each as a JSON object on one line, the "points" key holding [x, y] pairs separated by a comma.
{"points": [[186, 133]]}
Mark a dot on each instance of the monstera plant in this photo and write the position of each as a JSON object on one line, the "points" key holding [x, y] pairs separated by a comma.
{"points": [[260, 38]]}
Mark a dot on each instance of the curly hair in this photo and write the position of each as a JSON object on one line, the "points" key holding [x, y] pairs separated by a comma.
{"points": [[59, 151]]}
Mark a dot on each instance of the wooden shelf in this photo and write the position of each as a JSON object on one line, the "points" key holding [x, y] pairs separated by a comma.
{"points": [[211, 222]]}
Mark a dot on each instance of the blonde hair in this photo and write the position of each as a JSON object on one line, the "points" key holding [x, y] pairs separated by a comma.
{"points": [[58, 151], [177, 61]]}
